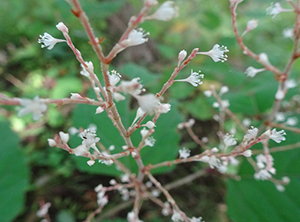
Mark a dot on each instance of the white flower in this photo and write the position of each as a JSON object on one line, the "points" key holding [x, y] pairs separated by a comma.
{"points": [[223, 90], [199, 219], [184, 153], [213, 161], [288, 33], [148, 102], [75, 96], [251, 71], [252, 24], [275, 9], [251, 134], [62, 27], [131, 217], [35, 106], [277, 136], [99, 110], [91, 162], [291, 121], [217, 53], [150, 125], [139, 114], [262, 175], [151, 2], [89, 139], [114, 77], [150, 141], [280, 117], [207, 93], [290, 83], [176, 217], [125, 178], [163, 108], [135, 37], [118, 97], [86, 71], [181, 56], [64, 137], [133, 87], [47, 40], [52, 142], [263, 58], [194, 79], [247, 153], [165, 12], [279, 94], [144, 132], [228, 140]]}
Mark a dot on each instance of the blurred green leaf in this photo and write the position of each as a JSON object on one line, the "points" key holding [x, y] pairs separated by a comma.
{"points": [[65, 86], [14, 175], [65, 216]]}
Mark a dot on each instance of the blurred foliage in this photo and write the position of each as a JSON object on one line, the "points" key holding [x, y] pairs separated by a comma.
{"points": [[27, 70]]}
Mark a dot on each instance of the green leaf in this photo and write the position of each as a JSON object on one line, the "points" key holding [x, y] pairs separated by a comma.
{"points": [[199, 108], [250, 200], [65, 86], [165, 148], [14, 175]]}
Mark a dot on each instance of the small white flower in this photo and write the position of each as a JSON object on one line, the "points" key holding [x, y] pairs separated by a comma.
{"points": [[91, 162], [114, 77], [215, 150], [163, 108], [43, 211], [86, 71], [144, 132], [207, 93], [194, 79], [246, 122], [133, 87], [181, 56], [280, 117], [150, 125], [150, 141], [52, 142], [48, 41], [35, 106], [199, 219], [148, 102], [251, 71], [262, 175], [213, 161], [291, 121], [223, 90], [275, 9], [288, 33], [228, 140], [64, 137], [247, 153], [277, 136], [62, 27], [217, 53], [279, 94], [286, 180], [125, 178], [263, 58], [290, 83], [75, 96], [99, 110], [251, 134], [184, 153], [252, 24], [131, 217], [90, 139], [165, 12], [176, 217], [139, 114], [118, 97], [135, 37]]}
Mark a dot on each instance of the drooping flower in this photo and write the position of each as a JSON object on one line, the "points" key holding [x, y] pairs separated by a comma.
{"points": [[251, 71], [194, 79], [35, 106], [135, 37], [48, 41], [165, 12], [217, 53], [275, 9]]}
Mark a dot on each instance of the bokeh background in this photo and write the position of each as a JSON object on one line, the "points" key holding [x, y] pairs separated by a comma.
{"points": [[32, 172]]}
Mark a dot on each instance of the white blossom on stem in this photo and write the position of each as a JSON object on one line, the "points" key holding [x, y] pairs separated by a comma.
{"points": [[263, 58], [290, 83], [62, 27], [291, 121], [251, 134], [277, 136], [114, 77], [252, 24], [35, 106], [43, 211], [288, 33], [48, 41], [247, 153], [194, 79], [228, 140], [181, 56], [167, 11], [64, 137], [135, 37], [184, 153], [251, 71], [86, 71], [52, 142], [276, 8], [139, 114], [217, 53], [133, 87]]}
